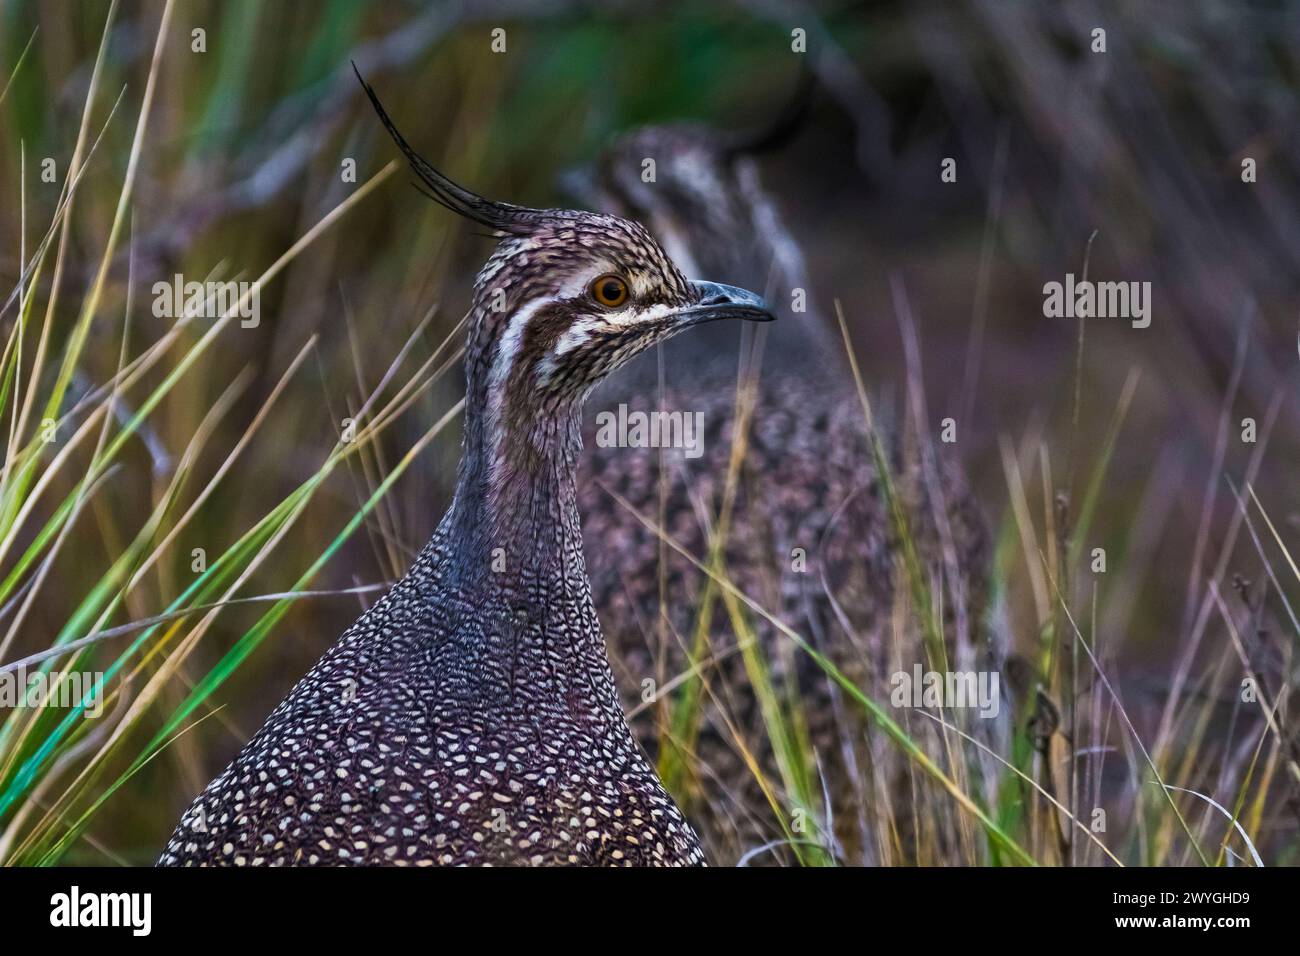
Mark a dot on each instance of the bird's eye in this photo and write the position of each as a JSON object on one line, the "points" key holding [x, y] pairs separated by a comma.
{"points": [[609, 290]]}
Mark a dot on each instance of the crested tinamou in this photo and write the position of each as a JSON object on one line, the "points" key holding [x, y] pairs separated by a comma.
{"points": [[470, 716]]}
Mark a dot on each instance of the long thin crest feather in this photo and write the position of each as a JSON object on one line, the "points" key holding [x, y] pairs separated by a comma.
{"points": [[499, 216]]}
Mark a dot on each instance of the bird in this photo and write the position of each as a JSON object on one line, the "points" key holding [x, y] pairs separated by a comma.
{"points": [[470, 717], [810, 536]]}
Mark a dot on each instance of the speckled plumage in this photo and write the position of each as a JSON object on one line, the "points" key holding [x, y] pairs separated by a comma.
{"points": [[807, 481], [470, 716], [458, 721]]}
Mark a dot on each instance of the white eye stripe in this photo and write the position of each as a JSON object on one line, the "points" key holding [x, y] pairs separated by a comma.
{"points": [[575, 335], [581, 331], [629, 317]]}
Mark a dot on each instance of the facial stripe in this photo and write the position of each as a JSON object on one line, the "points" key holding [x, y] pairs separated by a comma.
{"points": [[582, 330], [503, 358]]}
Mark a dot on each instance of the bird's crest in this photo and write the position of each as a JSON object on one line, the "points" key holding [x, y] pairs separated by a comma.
{"points": [[504, 218]]}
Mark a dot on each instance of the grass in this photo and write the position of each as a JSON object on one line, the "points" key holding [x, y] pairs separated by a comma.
{"points": [[1025, 801], [57, 769], [181, 514]]}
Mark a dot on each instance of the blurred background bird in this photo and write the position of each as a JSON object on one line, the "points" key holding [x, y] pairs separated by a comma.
{"points": [[784, 502]]}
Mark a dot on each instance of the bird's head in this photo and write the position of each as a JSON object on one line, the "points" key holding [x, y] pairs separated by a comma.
{"points": [[567, 297]]}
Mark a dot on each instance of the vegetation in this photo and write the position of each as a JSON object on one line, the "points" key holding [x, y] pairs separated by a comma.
{"points": [[194, 505]]}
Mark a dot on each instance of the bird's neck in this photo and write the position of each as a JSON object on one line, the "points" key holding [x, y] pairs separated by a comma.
{"points": [[522, 635], [516, 490]]}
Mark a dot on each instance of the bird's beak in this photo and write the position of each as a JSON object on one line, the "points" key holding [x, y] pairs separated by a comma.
{"points": [[714, 301]]}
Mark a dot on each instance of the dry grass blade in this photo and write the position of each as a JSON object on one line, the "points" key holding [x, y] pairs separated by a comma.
{"points": [[1087, 831], [1119, 706], [1254, 854]]}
